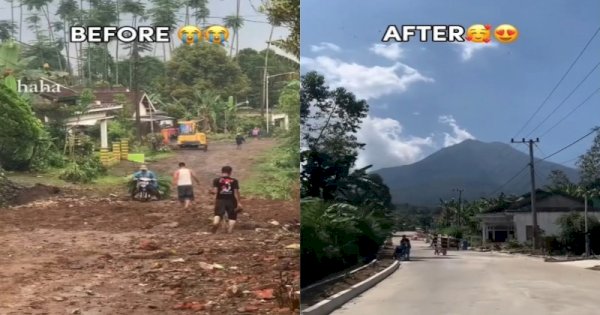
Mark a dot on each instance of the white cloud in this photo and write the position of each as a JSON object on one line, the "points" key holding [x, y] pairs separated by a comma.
{"points": [[469, 48], [365, 82], [325, 46], [391, 52], [458, 134], [416, 113], [386, 146]]}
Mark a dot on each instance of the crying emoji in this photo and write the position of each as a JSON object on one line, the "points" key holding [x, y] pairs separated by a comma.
{"points": [[216, 34], [189, 35]]}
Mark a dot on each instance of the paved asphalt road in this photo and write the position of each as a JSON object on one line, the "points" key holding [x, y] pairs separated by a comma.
{"points": [[471, 283]]}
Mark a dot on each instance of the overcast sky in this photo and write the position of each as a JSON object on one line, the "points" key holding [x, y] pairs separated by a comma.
{"points": [[254, 34], [426, 96]]}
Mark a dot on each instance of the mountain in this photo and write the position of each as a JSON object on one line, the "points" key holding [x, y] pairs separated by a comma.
{"points": [[477, 167]]}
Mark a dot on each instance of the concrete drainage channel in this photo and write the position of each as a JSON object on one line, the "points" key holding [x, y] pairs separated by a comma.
{"points": [[334, 302]]}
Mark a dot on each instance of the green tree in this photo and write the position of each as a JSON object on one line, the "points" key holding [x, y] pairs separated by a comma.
{"points": [[100, 64], [234, 22], [330, 120], [286, 13], [589, 164], [42, 6], [163, 14], [252, 62], [558, 180], [207, 104], [151, 69], [20, 130], [200, 68], [201, 11], [67, 11], [7, 30]]}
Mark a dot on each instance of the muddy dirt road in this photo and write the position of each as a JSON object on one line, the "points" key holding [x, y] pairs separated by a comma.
{"points": [[80, 254]]}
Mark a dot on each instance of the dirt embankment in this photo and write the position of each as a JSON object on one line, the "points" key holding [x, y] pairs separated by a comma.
{"points": [[67, 253]]}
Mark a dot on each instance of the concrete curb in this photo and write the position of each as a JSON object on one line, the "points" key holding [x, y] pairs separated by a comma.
{"points": [[334, 302], [339, 276]]}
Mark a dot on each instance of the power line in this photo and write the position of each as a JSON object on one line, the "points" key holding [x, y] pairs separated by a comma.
{"points": [[569, 160], [572, 111], [565, 99], [572, 143], [510, 180], [559, 82]]}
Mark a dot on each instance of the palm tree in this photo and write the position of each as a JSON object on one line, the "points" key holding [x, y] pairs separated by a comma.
{"points": [[163, 14], [234, 22], [67, 11], [42, 6], [7, 30], [34, 23], [12, 17], [137, 9], [201, 11]]}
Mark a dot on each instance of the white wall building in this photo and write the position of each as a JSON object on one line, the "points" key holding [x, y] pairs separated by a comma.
{"points": [[516, 221]]}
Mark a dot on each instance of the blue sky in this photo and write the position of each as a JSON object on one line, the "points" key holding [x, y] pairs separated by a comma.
{"points": [[424, 96]]}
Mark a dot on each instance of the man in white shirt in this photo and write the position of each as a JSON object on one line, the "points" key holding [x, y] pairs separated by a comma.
{"points": [[182, 178]]}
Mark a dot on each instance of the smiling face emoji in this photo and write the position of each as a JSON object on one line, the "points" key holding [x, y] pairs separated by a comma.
{"points": [[189, 35], [506, 33], [479, 33], [216, 34]]}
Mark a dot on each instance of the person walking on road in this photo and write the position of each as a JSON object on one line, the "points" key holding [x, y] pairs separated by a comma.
{"points": [[227, 191], [239, 139], [182, 179], [405, 242]]}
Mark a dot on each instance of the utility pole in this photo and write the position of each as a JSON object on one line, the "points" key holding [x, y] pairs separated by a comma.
{"points": [[587, 235], [460, 191], [135, 85], [531, 142]]}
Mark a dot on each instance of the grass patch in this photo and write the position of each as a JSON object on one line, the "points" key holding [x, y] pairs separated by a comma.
{"points": [[157, 156], [110, 181], [270, 179], [220, 137]]}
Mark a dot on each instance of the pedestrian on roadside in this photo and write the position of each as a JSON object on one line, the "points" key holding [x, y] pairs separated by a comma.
{"points": [[182, 179], [239, 139], [405, 242], [256, 133], [227, 191]]}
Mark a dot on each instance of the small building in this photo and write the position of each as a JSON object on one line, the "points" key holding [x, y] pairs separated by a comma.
{"points": [[516, 221], [107, 103]]}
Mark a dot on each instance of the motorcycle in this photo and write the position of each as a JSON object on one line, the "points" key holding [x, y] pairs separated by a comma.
{"points": [[142, 190]]}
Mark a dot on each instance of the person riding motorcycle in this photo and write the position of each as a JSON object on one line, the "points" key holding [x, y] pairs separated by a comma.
{"points": [[145, 173]]}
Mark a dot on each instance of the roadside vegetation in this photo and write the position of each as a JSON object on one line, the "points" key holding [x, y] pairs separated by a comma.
{"points": [[346, 212]]}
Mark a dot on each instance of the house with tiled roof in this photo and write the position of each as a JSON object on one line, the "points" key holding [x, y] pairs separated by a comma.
{"points": [[503, 223], [106, 105]]}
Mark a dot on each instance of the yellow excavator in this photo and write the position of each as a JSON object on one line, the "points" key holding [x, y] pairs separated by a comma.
{"points": [[190, 136]]}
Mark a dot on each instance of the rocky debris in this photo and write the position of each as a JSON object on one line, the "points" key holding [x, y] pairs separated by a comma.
{"points": [[148, 245], [156, 255], [168, 270], [171, 225]]}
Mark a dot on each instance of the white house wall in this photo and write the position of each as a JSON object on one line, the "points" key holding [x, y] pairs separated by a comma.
{"points": [[546, 222]]}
